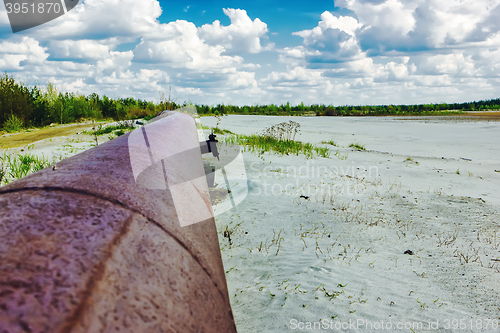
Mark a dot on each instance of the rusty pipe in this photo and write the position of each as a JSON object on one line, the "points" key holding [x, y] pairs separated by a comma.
{"points": [[93, 246]]}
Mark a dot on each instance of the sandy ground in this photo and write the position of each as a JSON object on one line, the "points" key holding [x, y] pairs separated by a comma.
{"points": [[404, 236], [53, 143]]}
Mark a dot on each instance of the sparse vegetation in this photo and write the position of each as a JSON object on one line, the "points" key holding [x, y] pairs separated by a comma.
{"points": [[330, 142], [357, 146], [121, 128], [279, 139]]}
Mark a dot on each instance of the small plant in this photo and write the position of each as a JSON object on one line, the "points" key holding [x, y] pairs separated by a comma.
{"points": [[322, 151], [283, 131], [423, 275], [422, 305], [357, 146], [458, 171]]}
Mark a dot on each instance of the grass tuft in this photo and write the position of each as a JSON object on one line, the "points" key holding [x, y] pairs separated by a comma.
{"points": [[357, 146], [330, 142], [221, 131], [262, 144]]}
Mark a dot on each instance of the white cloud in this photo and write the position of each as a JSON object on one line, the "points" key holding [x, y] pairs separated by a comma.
{"points": [[21, 51], [403, 25], [116, 61], [186, 49], [334, 37], [454, 64], [243, 79], [98, 19], [79, 49], [242, 36], [298, 76]]}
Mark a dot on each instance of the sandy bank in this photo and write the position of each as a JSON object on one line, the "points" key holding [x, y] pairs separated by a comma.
{"points": [[325, 239]]}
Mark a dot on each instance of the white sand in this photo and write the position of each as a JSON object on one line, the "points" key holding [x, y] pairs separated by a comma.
{"points": [[353, 243]]}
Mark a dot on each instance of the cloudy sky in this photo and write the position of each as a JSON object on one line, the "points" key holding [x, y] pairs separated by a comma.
{"points": [[258, 52]]}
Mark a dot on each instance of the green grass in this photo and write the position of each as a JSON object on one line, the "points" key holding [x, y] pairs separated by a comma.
{"points": [[357, 146], [322, 151], [330, 142], [17, 166], [119, 132], [262, 144]]}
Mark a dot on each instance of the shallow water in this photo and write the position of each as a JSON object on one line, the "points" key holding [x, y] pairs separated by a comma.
{"points": [[443, 137]]}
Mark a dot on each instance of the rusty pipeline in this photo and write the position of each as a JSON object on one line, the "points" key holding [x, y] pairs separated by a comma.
{"points": [[120, 238]]}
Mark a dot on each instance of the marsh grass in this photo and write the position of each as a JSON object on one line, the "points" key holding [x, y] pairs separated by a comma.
{"points": [[17, 166]]}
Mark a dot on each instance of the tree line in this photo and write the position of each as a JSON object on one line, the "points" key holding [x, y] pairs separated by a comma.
{"points": [[350, 110], [36, 106], [23, 106]]}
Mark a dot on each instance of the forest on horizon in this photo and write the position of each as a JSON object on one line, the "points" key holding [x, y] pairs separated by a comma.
{"points": [[22, 106]]}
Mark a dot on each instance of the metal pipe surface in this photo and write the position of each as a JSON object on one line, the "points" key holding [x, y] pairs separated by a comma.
{"points": [[94, 245]]}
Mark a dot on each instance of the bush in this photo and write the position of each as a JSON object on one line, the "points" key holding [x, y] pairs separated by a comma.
{"points": [[13, 124]]}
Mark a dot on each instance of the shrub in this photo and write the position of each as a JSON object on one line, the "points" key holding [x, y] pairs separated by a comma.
{"points": [[13, 124]]}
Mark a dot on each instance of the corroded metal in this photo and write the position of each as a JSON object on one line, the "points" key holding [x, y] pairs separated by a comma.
{"points": [[83, 248]]}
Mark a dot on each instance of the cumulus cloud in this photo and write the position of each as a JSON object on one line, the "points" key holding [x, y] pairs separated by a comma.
{"points": [[242, 36], [334, 37], [81, 48], [418, 48], [78, 49], [21, 51], [184, 48], [400, 25], [98, 19]]}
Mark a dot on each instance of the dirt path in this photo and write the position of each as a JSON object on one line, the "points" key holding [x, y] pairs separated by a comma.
{"points": [[25, 138]]}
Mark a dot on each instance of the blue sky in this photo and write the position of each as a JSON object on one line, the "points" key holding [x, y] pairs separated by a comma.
{"points": [[258, 52]]}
